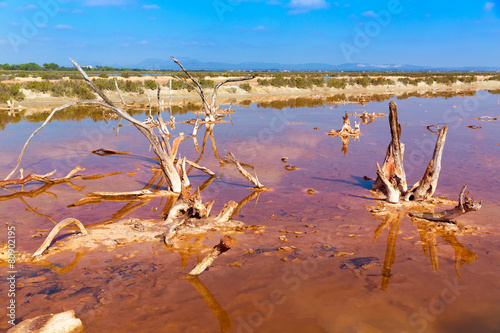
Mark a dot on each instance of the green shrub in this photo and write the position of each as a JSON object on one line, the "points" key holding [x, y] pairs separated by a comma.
{"points": [[246, 86], [337, 83], [103, 75], [150, 84], [10, 91]]}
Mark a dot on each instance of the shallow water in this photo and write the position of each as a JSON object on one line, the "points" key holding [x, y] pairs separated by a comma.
{"points": [[449, 285]]}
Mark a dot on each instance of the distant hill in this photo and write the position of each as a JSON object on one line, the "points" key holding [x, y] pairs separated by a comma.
{"points": [[193, 64]]}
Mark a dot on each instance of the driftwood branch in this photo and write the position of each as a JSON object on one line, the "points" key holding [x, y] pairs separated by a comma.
{"points": [[346, 129], [56, 230], [62, 107], [220, 84], [224, 246], [464, 206], [254, 180]]}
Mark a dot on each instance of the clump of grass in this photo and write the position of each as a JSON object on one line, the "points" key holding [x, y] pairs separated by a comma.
{"points": [[150, 84]]}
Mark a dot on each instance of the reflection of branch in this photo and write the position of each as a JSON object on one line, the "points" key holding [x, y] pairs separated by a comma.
{"points": [[247, 199], [58, 269], [394, 220], [219, 312]]}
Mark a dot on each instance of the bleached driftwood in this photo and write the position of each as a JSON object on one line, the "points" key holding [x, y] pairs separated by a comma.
{"points": [[464, 206], [56, 230], [224, 245], [346, 129], [254, 180]]}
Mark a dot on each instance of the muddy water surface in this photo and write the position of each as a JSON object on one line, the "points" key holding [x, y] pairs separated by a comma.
{"points": [[344, 271]]}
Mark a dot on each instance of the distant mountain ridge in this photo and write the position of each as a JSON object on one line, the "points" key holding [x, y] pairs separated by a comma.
{"points": [[193, 64]]}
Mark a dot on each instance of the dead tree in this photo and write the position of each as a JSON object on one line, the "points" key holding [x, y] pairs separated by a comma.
{"points": [[391, 178], [160, 144], [426, 187], [346, 129], [209, 108]]}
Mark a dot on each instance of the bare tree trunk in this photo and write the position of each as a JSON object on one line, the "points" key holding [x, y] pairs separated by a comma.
{"points": [[392, 169], [426, 187]]}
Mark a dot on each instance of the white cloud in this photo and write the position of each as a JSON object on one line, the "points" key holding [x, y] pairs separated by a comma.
{"points": [[106, 2], [369, 13], [142, 42], [3, 42], [259, 28], [304, 6], [3, 5], [77, 11], [488, 6], [63, 27], [150, 7], [29, 7], [427, 15], [195, 43]]}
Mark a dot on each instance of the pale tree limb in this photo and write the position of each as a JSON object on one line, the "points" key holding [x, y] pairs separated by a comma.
{"points": [[464, 206], [392, 192], [119, 92], [62, 107], [220, 84], [224, 246], [56, 230], [246, 174], [199, 167]]}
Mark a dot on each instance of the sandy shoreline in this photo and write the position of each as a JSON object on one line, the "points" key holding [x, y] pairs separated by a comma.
{"points": [[232, 93]]}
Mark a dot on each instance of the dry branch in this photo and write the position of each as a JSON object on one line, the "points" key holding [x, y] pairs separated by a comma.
{"points": [[56, 230], [205, 170], [464, 206], [224, 246], [246, 174]]}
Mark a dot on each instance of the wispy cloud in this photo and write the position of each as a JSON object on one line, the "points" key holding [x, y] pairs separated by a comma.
{"points": [[257, 28], [150, 7], [77, 11], [142, 42], [304, 6], [427, 15], [3, 5], [28, 7], [196, 43], [3, 42], [63, 27], [369, 13], [103, 3], [488, 6]]}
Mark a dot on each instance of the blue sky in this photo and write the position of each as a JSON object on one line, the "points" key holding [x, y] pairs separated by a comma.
{"points": [[125, 32]]}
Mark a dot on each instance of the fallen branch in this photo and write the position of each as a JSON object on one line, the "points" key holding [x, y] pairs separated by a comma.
{"points": [[62, 107], [246, 174], [224, 246], [464, 206], [43, 178], [55, 231], [205, 170]]}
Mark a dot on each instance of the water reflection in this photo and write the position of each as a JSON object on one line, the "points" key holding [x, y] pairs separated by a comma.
{"points": [[428, 232], [219, 312]]}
